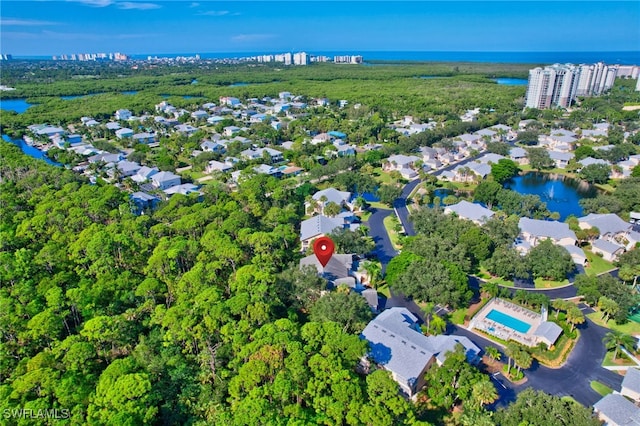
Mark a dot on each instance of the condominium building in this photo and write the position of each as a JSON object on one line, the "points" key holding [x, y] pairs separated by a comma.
{"points": [[560, 84], [301, 58]]}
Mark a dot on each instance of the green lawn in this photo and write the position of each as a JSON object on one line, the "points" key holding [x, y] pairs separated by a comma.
{"points": [[365, 216], [457, 316], [597, 265], [485, 275], [621, 359], [389, 224], [541, 283], [631, 327], [378, 205], [600, 388], [380, 176], [383, 288]]}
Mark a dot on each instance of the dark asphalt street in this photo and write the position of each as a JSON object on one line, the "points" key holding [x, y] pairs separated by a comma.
{"points": [[384, 249]]}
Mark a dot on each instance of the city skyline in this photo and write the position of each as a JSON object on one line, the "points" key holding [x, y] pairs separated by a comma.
{"points": [[139, 27]]}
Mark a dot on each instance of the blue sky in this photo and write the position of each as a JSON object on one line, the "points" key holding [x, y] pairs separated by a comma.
{"points": [[149, 26]]}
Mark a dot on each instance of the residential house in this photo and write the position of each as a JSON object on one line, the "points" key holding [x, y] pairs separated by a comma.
{"points": [[251, 154], [127, 168], [470, 211], [209, 105], [229, 101], [321, 138], [346, 150], [106, 158], [610, 226], [577, 255], [561, 159], [113, 126], [142, 201], [124, 133], [559, 140], [217, 166], [339, 269], [292, 171], [144, 174], [519, 155], [534, 231], [607, 249], [215, 119], [123, 114], [371, 296], [397, 345], [631, 384], [186, 129], [184, 189], [399, 162], [490, 158], [211, 146], [165, 180], [229, 131], [502, 129], [470, 115], [260, 118], [588, 161], [616, 410], [469, 139], [200, 115], [144, 137], [318, 226], [331, 195], [599, 130], [268, 170]]}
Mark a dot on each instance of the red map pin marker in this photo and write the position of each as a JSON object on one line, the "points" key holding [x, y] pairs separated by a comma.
{"points": [[323, 249]]}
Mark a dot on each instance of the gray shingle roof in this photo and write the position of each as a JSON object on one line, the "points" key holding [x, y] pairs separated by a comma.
{"points": [[546, 228], [606, 246], [618, 409], [333, 195], [631, 380], [396, 343], [563, 156], [549, 330], [318, 225], [470, 211], [606, 223], [337, 268]]}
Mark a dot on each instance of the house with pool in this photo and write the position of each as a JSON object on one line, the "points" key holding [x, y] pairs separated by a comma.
{"points": [[508, 321]]}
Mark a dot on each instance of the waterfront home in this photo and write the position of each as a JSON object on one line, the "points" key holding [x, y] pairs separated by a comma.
{"points": [[470, 211], [519, 155], [631, 384], [397, 345], [616, 410], [330, 195], [561, 159], [165, 180]]}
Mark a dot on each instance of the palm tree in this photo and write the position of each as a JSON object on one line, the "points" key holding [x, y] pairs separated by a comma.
{"points": [[560, 305], [491, 288], [428, 314], [493, 353], [438, 324], [522, 359], [374, 272], [575, 316], [483, 393], [609, 307], [510, 351], [616, 339]]}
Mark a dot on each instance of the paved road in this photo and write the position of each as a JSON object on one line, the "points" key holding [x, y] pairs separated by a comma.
{"points": [[384, 249]]}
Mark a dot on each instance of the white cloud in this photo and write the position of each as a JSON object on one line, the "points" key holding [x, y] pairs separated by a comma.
{"points": [[214, 13], [92, 36], [128, 5], [25, 22], [194, 4], [94, 3], [251, 37]]}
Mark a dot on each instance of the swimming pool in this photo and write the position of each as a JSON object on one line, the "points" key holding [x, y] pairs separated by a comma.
{"points": [[508, 321]]}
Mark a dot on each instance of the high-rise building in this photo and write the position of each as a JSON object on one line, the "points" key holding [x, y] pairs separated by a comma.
{"points": [[301, 58], [560, 84]]}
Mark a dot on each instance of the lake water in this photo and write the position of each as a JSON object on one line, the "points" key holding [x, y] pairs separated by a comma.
{"points": [[511, 81], [17, 105], [561, 194], [238, 84], [30, 150]]}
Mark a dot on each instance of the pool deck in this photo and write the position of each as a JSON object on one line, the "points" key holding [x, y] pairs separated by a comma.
{"points": [[482, 323]]}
